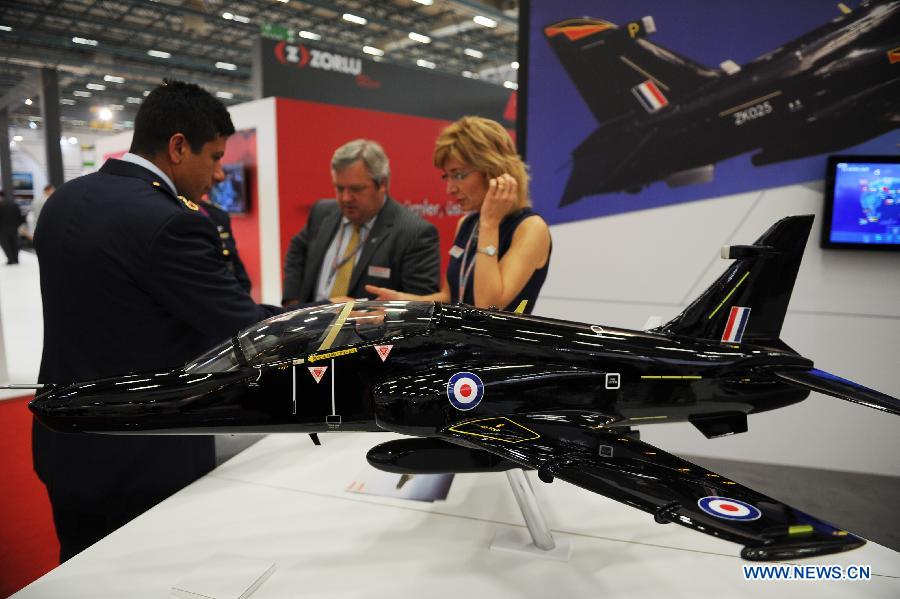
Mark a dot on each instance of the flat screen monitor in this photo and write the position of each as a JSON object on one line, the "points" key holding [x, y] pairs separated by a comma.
{"points": [[23, 183], [862, 203], [231, 194]]}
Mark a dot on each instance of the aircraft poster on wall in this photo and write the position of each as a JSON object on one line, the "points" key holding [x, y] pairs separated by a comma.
{"points": [[636, 105]]}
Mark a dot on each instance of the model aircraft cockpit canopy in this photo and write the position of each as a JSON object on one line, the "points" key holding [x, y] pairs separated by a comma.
{"points": [[307, 330]]}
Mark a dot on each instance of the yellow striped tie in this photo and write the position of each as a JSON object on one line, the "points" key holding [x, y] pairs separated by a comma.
{"points": [[342, 278]]}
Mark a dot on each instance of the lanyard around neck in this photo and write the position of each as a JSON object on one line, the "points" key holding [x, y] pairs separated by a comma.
{"points": [[466, 267]]}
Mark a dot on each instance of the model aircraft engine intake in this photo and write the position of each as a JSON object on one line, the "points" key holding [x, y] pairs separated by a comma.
{"points": [[488, 390], [434, 456]]}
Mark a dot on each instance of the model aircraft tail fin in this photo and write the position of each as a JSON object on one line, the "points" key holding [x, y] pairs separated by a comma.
{"points": [[618, 71], [748, 302]]}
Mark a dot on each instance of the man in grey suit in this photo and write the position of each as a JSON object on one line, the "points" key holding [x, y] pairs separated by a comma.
{"points": [[362, 237]]}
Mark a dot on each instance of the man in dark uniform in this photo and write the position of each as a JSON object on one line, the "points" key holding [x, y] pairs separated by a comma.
{"points": [[132, 279]]}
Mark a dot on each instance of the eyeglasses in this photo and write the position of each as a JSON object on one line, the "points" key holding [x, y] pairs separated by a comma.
{"points": [[456, 175]]}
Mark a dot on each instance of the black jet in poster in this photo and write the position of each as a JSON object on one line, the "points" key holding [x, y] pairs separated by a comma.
{"points": [[487, 390], [665, 117]]}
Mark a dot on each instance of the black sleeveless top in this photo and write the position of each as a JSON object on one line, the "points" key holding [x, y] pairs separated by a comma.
{"points": [[459, 253]]}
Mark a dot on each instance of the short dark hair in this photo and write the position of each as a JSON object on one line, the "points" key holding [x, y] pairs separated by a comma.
{"points": [[179, 107]]}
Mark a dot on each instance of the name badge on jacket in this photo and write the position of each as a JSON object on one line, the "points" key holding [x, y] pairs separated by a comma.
{"points": [[456, 251], [380, 272]]}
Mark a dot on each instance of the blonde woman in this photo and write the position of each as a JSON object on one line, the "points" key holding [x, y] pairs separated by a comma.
{"points": [[501, 252]]}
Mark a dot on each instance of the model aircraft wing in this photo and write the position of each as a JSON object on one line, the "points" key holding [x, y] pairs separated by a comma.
{"points": [[572, 446]]}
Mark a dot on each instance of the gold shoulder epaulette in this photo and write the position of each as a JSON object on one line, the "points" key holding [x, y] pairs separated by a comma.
{"points": [[189, 203]]}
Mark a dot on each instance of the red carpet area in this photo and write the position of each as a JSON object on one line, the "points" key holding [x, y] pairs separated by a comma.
{"points": [[28, 546]]}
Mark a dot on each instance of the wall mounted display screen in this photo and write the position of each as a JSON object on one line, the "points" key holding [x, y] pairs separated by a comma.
{"points": [[231, 194], [862, 203], [23, 182]]}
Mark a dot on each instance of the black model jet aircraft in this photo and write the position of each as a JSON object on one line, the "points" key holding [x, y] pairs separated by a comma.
{"points": [[490, 390], [665, 117]]}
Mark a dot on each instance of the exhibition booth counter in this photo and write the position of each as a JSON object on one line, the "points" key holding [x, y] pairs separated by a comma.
{"points": [[287, 504]]}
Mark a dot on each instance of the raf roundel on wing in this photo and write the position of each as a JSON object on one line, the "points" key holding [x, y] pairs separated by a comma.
{"points": [[729, 509]]}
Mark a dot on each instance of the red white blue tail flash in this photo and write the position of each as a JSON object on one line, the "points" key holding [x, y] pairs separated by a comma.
{"points": [[737, 322], [649, 96]]}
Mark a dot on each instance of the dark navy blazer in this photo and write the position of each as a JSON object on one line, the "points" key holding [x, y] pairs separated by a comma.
{"points": [[132, 279]]}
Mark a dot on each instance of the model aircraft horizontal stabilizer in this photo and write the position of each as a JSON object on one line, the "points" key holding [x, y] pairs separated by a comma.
{"points": [[563, 444], [829, 384]]}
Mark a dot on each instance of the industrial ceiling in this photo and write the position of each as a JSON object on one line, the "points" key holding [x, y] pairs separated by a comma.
{"points": [[108, 53]]}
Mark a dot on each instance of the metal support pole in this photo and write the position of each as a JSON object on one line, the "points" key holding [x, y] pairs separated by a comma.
{"points": [[531, 511], [5, 155], [52, 126]]}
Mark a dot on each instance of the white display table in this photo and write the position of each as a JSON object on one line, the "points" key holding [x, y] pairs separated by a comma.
{"points": [[283, 500]]}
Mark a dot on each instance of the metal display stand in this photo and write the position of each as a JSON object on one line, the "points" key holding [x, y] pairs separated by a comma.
{"points": [[539, 541]]}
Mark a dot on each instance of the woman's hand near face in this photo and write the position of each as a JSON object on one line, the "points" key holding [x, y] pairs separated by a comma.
{"points": [[499, 200]]}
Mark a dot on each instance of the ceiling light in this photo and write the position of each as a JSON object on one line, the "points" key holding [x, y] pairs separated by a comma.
{"points": [[309, 35], [469, 75], [67, 101], [116, 107], [485, 22], [284, 1], [146, 92], [226, 66], [225, 95], [105, 114], [373, 51], [28, 102], [18, 138], [32, 125], [514, 65], [5, 28], [510, 85], [113, 79], [73, 140], [425, 2], [133, 100], [354, 19], [473, 53], [158, 54], [241, 19], [81, 93], [418, 37], [96, 86], [84, 41], [227, 16], [427, 64]]}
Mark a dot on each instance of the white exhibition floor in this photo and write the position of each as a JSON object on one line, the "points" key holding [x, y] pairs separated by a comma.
{"points": [[284, 500], [21, 321]]}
